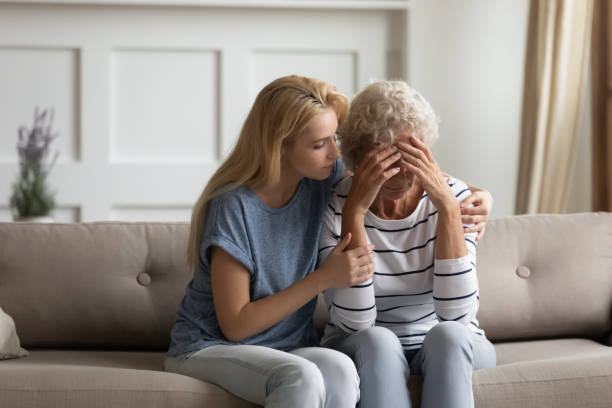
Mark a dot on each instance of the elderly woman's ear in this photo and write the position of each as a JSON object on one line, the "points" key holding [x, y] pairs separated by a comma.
{"points": [[475, 209]]}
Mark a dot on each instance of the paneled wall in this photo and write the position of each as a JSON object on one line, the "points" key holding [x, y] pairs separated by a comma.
{"points": [[149, 98]]}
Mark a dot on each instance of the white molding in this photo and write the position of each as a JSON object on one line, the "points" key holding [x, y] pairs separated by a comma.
{"points": [[161, 183], [301, 4]]}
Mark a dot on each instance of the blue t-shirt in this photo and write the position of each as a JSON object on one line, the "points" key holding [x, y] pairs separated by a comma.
{"points": [[278, 246]]}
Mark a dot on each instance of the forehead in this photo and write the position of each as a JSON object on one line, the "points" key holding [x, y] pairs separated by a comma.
{"points": [[323, 124], [404, 135]]}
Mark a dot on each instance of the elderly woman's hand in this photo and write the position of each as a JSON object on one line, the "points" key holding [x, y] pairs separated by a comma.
{"points": [[420, 162], [376, 167], [478, 214]]}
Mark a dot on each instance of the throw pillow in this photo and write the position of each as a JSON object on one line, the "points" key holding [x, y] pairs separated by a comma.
{"points": [[9, 342]]}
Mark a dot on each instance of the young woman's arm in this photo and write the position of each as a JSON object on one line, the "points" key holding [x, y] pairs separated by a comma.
{"points": [[475, 209], [239, 317]]}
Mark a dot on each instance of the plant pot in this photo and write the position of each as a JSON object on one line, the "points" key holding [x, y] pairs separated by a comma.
{"points": [[41, 219]]}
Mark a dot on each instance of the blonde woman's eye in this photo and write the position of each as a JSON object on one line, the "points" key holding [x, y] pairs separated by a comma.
{"points": [[319, 145]]}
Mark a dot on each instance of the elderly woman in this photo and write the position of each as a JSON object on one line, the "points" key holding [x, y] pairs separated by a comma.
{"points": [[418, 313]]}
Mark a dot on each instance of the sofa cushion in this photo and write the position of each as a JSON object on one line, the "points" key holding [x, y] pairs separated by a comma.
{"points": [[546, 276], [532, 374], [118, 284], [9, 341], [540, 350], [56, 378], [560, 373], [104, 284]]}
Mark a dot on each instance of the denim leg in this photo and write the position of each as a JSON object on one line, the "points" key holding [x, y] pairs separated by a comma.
{"points": [[261, 375], [450, 353], [339, 374], [380, 362]]}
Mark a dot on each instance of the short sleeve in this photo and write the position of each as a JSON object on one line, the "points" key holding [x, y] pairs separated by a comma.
{"points": [[337, 171], [225, 228]]}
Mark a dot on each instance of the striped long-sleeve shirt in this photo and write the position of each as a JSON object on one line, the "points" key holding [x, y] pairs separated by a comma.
{"points": [[410, 291]]}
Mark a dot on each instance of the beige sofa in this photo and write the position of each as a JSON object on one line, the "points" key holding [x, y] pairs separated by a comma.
{"points": [[94, 303]]}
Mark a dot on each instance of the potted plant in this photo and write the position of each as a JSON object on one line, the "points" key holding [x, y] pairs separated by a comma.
{"points": [[31, 199]]}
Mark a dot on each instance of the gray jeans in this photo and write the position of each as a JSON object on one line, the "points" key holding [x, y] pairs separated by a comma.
{"points": [[305, 377], [450, 352]]}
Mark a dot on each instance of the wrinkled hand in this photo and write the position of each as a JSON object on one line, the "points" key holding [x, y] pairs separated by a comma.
{"points": [[478, 215], [419, 160], [374, 169], [342, 269]]}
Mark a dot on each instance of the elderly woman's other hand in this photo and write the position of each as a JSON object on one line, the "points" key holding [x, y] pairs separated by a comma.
{"points": [[420, 162], [376, 167], [478, 214]]}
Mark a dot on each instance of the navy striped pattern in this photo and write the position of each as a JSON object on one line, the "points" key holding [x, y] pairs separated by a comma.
{"points": [[411, 291]]}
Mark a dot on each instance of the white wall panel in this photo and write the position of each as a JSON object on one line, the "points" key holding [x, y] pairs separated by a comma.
{"points": [[337, 67], [128, 80], [149, 99], [164, 105], [43, 77]]}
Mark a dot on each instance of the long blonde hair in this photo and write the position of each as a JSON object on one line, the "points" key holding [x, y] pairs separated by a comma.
{"points": [[279, 115]]}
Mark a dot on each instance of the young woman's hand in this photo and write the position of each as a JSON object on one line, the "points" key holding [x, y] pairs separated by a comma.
{"points": [[420, 161], [342, 269], [375, 168], [478, 215]]}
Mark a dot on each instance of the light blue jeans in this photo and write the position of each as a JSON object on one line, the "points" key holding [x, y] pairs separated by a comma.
{"points": [[449, 355], [305, 377]]}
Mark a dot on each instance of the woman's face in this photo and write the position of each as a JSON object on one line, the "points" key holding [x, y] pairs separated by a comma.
{"points": [[314, 152], [397, 186]]}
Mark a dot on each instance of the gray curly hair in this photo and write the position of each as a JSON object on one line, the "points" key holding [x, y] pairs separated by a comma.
{"points": [[381, 113]]}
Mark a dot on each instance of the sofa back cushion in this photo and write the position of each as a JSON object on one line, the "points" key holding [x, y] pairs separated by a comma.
{"points": [[93, 284], [116, 284], [546, 276], [542, 276]]}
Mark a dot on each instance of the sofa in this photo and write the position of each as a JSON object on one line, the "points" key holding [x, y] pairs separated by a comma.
{"points": [[93, 303]]}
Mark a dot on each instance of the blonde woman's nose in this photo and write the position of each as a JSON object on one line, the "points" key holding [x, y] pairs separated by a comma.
{"points": [[335, 152]]}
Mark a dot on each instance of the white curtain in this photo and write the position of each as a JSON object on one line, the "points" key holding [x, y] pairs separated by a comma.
{"points": [[557, 56]]}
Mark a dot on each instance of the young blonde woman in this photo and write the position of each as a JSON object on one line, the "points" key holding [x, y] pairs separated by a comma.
{"points": [[245, 322]]}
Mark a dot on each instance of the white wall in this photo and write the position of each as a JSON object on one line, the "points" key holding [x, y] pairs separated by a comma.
{"points": [[467, 58], [149, 99]]}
